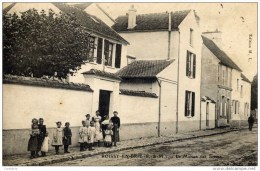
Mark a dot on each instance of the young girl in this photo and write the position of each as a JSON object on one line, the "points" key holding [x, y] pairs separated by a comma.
{"points": [[108, 138], [57, 137], [91, 135], [33, 141], [83, 136], [45, 145], [67, 137], [98, 134]]}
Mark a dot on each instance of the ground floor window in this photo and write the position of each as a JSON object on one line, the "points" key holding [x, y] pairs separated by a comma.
{"points": [[189, 103]]}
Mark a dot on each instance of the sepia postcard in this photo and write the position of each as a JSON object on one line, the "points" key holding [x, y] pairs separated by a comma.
{"points": [[130, 84]]}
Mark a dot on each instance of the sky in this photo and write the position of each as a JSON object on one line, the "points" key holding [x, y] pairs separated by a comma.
{"points": [[236, 21]]}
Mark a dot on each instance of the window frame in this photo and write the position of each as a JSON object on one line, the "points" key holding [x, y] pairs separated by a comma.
{"points": [[191, 65], [189, 109]]}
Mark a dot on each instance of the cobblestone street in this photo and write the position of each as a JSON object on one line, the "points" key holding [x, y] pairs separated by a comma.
{"points": [[230, 149], [179, 149]]}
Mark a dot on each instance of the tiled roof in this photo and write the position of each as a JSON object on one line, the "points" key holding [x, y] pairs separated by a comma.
{"points": [[41, 82], [82, 6], [5, 10], [245, 78], [90, 22], [137, 93], [102, 74], [144, 68], [98, 26], [221, 55], [150, 22]]}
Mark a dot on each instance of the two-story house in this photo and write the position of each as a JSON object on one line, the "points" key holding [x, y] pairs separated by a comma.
{"points": [[222, 80], [169, 36]]}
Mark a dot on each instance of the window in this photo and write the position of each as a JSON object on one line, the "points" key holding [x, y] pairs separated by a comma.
{"points": [[223, 77], [99, 50], [237, 104], [241, 91], [191, 37], [191, 65], [219, 72], [108, 53], [189, 103], [91, 49]]}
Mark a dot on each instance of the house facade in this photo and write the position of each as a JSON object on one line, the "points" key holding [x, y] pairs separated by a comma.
{"points": [[174, 35], [222, 81]]}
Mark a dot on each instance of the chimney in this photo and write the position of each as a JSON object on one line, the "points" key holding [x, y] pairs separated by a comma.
{"points": [[131, 17], [216, 36]]}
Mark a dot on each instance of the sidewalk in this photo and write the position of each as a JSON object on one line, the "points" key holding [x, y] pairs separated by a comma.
{"points": [[24, 160]]}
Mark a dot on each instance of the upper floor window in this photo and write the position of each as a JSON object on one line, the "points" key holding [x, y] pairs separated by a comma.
{"points": [[189, 103], [191, 37], [223, 77], [91, 49], [108, 53], [191, 65]]}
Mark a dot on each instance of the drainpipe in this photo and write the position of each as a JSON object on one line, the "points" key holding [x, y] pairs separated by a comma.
{"points": [[178, 72], [169, 34], [159, 110]]}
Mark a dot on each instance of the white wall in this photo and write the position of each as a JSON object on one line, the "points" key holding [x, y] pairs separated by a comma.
{"points": [[246, 98], [22, 103], [186, 83], [134, 109]]}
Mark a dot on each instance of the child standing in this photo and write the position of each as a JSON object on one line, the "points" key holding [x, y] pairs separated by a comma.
{"points": [[99, 136], [57, 137], [33, 141], [67, 137], [45, 145], [88, 119], [91, 135], [108, 137], [83, 136]]}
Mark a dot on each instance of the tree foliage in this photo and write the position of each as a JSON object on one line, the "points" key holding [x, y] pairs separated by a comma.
{"points": [[254, 93], [40, 44]]}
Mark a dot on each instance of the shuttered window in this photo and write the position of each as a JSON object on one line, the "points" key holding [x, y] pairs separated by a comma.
{"points": [[190, 65], [99, 50], [118, 55], [189, 104], [108, 53]]}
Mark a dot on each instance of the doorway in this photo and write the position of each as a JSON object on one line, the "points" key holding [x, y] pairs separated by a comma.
{"points": [[207, 114], [104, 103]]}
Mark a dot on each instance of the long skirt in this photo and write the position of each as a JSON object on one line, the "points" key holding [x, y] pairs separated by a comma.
{"points": [[115, 137], [33, 143]]}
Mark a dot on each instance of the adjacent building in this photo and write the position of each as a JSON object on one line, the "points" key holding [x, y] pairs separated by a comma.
{"points": [[169, 36]]}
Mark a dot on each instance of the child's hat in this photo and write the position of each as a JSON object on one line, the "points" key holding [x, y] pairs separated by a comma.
{"points": [[87, 115], [67, 123]]}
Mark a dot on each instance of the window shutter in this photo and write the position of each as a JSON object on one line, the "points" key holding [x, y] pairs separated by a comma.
{"points": [[194, 66], [186, 104], [106, 52], [118, 55], [99, 51], [187, 64], [238, 107], [193, 104]]}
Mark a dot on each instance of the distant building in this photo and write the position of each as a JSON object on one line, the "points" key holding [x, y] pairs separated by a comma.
{"points": [[222, 80]]}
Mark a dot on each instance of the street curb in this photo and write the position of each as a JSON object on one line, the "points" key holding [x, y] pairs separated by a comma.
{"points": [[80, 156]]}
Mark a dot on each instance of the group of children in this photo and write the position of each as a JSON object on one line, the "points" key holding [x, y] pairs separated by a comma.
{"points": [[39, 140], [93, 132], [96, 131]]}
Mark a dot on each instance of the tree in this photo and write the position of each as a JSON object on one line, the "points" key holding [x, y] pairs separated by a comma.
{"points": [[254, 93], [41, 44]]}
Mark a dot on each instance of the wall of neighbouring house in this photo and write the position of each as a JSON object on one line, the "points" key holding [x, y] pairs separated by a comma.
{"points": [[94, 10], [209, 73], [211, 115], [185, 83], [245, 98], [21, 103]]}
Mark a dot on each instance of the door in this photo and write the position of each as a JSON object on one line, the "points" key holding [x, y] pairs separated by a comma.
{"points": [[207, 114], [104, 102]]}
